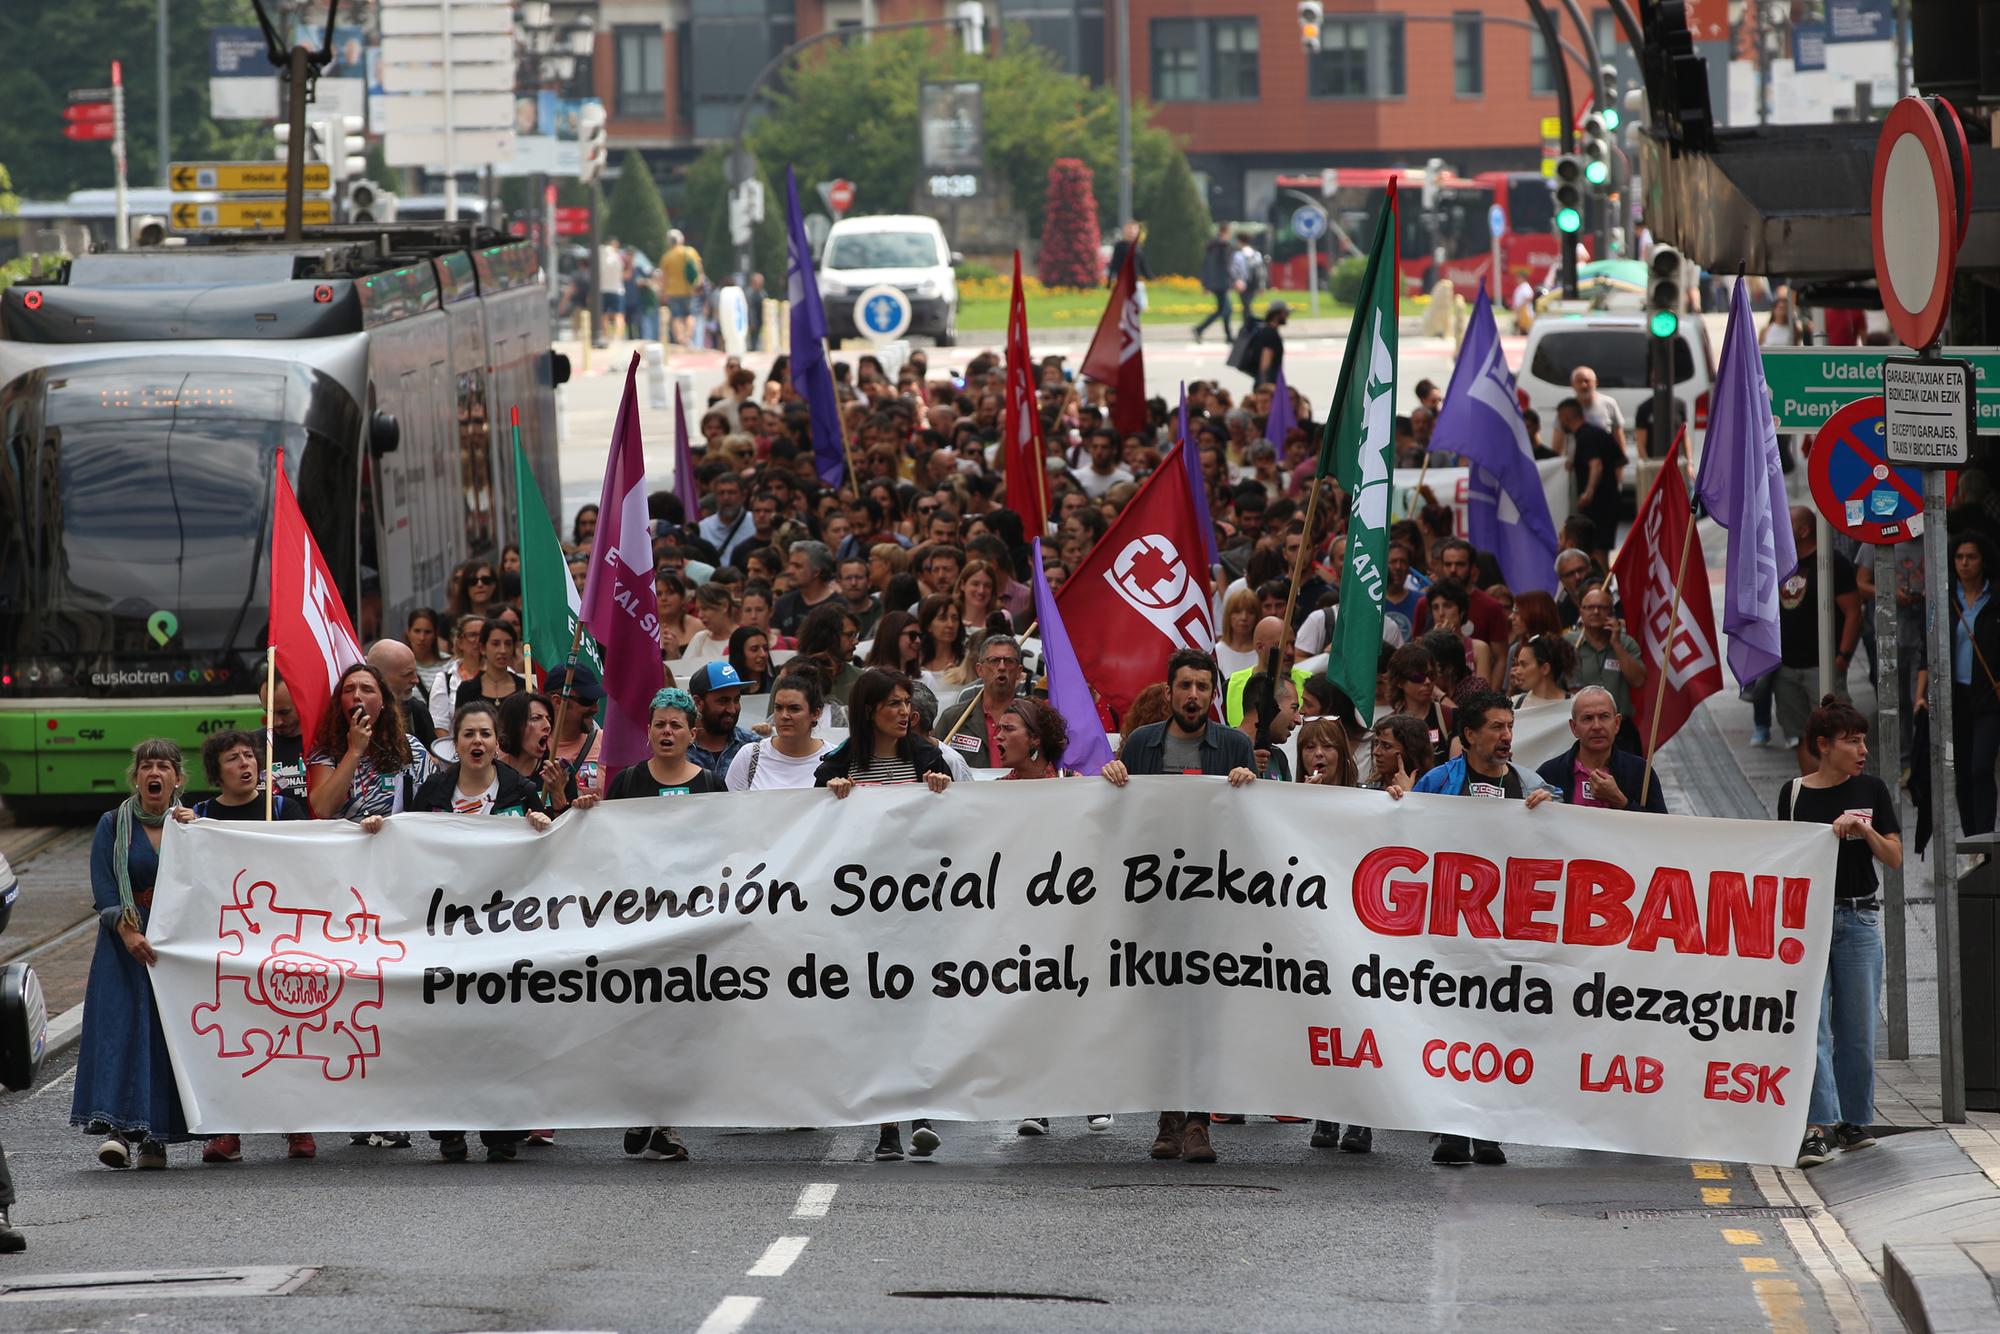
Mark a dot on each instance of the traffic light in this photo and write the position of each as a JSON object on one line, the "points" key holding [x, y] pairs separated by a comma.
{"points": [[1569, 194], [348, 147], [1596, 152], [972, 26], [149, 229], [316, 137], [1311, 13], [369, 202], [1663, 292], [1607, 97], [590, 143]]}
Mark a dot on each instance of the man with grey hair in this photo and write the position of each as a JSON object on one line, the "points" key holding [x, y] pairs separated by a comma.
{"points": [[398, 665], [1573, 570], [1595, 771], [1001, 671], [812, 569]]}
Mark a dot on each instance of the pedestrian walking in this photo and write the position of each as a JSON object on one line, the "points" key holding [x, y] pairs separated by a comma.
{"points": [[1975, 691], [1215, 280]]}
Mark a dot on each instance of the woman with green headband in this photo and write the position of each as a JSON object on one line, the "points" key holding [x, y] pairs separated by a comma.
{"points": [[669, 773], [124, 1078]]}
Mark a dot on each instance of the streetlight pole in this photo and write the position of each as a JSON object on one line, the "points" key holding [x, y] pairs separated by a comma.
{"points": [[1592, 63], [1566, 116], [160, 80], [1124, 27]]}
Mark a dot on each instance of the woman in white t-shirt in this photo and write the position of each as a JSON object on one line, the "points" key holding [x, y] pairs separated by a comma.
{"points": [[788, 757], [1235, 647]]}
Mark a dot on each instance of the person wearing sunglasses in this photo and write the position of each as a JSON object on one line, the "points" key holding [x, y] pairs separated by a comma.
{"points": [[467, 661], [475, 588], [1413, 694]]}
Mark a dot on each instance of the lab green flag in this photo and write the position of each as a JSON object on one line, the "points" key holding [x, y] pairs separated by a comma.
{"points": [[1358, 451], [549, 601]]}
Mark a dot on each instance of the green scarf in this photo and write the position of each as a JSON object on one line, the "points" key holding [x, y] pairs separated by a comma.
{"points": [[121, 853]]}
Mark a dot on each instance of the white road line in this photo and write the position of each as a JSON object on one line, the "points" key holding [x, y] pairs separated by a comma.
{"points": [[814, 1201], [778, 1258], [730, 1314], [844, 1149]]}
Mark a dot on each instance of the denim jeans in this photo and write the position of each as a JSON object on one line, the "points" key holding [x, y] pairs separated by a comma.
{"points": [[1221, 312], [1843, 1087]]}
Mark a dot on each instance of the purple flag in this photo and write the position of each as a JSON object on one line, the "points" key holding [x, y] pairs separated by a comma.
{"points": [[1191, 454], [811, 376], [1742, 485], [1507, 512], [1281, 418], [686, 487], [1069, 694], [618, 599]]}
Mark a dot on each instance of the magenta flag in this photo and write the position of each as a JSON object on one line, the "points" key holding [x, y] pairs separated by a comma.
{"points": [[686, 488], [619, 606], [1089, 748]]}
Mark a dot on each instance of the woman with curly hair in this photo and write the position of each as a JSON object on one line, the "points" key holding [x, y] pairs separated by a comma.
{"points": [[365, 761]]}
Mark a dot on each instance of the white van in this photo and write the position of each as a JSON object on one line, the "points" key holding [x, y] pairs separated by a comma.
{"points": [[895, 250], [1619, 349]]}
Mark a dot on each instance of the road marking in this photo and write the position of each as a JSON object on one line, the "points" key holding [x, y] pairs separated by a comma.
{"points": [[844, 1149], [730, 1314], [1841, 1301], [1710, 1172], [1741, 1236], [778, 1257], [1717, 1195], [1760, 1264], [1784, 1309], [814, 1201]]}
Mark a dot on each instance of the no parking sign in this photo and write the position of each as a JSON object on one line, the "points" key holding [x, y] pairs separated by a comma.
{"points": [[1856, 487]]}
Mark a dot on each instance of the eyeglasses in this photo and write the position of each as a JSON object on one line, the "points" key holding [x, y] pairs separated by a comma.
{"points": [[483, 579], [1416, 680], [911, 632], [1003, 662]]}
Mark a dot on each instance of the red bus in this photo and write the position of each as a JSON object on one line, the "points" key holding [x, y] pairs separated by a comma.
{"points": [[1456, 224]]}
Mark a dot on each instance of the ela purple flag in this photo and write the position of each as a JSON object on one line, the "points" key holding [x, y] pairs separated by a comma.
{"points": [[1281, 418], [1742, 485], [1197, 483], [686, 488], [811, 376], [1069, 694], [1507, 512], [618, 600]]}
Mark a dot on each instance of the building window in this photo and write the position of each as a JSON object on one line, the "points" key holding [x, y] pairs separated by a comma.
{"points": [[1468, 58], [1204, 60], [1358, 57], [1541, 78], [641, 69]]}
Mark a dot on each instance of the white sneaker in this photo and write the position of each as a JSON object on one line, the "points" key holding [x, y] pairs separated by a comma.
{"points": [[114, 1152], [1033, 1125], [1101, 1121]]}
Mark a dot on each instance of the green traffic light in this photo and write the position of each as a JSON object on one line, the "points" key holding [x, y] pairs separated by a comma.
{"points": [[1568, 220], [1664, 324], [1597, 173], [1610, 115]]}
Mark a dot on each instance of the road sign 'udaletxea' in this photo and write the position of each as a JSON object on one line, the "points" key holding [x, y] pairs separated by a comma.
{"points": [[1809, 384], [1929, 410]]}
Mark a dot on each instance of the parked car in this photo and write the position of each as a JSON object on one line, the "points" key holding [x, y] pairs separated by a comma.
{"points": [[1619, 348], [909, 253]]}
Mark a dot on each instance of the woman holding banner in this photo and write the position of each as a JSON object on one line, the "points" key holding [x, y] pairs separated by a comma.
{"points": [[526, 721], [790, 756], [669, 772], [1862, 811]]}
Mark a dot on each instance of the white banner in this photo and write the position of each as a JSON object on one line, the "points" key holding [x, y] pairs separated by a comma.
{"points": [[1452, 487], [1597, 979]]}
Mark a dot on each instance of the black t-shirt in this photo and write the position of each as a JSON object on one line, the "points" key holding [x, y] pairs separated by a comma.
{"points": [[1265, 335], [475, 688], [1596, 443], [1506, 787], [1798, 608], [282, 808], [638, 781], [1657, 444], [789, 612], [1865, 795]]}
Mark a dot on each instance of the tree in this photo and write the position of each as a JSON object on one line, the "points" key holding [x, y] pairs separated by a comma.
{"points": [[1166, 195], [637, 217], [706, 188], [1068, 256]]}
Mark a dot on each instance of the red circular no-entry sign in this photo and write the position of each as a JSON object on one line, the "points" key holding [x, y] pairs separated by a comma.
{"points": [[1915, 203], [840, 195]]}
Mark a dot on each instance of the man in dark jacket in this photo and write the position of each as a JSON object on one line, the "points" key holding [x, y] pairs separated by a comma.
{"points": [[1595, 772], [1190, 741], [1216, 282]]}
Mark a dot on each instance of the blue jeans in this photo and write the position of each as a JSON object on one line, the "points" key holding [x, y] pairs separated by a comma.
{"points": [[1843, 1086]]}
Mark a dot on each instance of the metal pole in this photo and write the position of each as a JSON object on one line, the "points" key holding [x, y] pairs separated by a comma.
{"points": [[1124, 111], [118, 152], [1312, 274], [1823, 574], [160, 79], [1887, 756], [450, 131], [1594, 63], [1566, 116], [1944, 806], [1900, 17], [596, 269], [297, 70], [548, 187]]}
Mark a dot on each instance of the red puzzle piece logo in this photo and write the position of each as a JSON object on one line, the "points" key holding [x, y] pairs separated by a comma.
{"points": [[287, 987]]}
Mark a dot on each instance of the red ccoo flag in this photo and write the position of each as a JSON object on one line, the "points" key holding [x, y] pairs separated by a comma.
{"points": [[1115, 357], [1143, 591], [1663, 581], [1026, 462], [311, 636]]}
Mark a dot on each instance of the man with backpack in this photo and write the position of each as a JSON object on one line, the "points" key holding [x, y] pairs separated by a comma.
{"points": [[680, 280]]}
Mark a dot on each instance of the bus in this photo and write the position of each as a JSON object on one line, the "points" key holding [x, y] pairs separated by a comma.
{"points": [[1456, 223], [144, 397]]}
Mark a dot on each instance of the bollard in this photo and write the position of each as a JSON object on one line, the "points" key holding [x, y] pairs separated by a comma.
{"points": [[655, 359], [732, 318]]}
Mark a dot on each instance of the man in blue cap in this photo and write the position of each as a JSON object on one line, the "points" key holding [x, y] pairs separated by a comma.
{"points": [[718, 698]]}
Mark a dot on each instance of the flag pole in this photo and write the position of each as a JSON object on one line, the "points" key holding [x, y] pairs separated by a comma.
{"points": [[840, 424], [1673, 628], [1299, 565], [562, 708], [1417, 491], [527, 647], [271, 661], [1032, 627]]}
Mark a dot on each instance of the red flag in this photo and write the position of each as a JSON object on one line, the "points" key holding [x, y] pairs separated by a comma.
{"points": [[1026, 462], [1115, 357], [311, 637], [1663, 581], [1143, 591]]}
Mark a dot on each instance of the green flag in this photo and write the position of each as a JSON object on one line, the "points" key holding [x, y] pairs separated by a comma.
{"points": [[1358, 451], [549, 601]]}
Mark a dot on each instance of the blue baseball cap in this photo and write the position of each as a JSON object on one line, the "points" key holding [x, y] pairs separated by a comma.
{"points": [[718, 675]]}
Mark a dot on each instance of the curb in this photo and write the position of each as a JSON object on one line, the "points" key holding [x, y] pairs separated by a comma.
{"points": [[1945, 1287], [64, 1031]]}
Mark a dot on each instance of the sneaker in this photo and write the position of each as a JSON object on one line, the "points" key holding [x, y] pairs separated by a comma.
{"points": [[11, 1238], [635, 1139], [1357, 1139], [1760, 736], [1326, 1135], [664, 1146], [152, 1155], [889, 1149], [1847, 1137], [542, 1137], [360, 1140], [115, 1152], [1197, 338], [1452, 1151], [1488, 1154], [923, 1140], [1167, 1143], [502, 1152], [1195, 1146], [452, 1147], [389, 1139], [223, 1149], [1225, 1118], [1814, 1150], [301, 1146], [1100, 1121], [1033, 1125]]}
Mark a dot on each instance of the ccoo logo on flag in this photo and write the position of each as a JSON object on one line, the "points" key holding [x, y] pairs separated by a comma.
{"points": [[1153, 580]]}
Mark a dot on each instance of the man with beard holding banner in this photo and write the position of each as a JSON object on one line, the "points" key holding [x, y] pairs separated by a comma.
{"points": [[1486, 768], [1190, 741]]}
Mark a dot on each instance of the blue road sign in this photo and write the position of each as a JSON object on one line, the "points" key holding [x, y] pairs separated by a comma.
{"points": [[1308, 223], [1496, 220], [882, 313]]}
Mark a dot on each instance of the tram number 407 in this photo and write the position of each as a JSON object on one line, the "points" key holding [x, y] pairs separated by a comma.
{"points": [[210, 726]]}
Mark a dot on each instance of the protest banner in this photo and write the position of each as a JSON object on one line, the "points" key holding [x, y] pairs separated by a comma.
{"points": [[1453, 488], [1573, 977]]}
